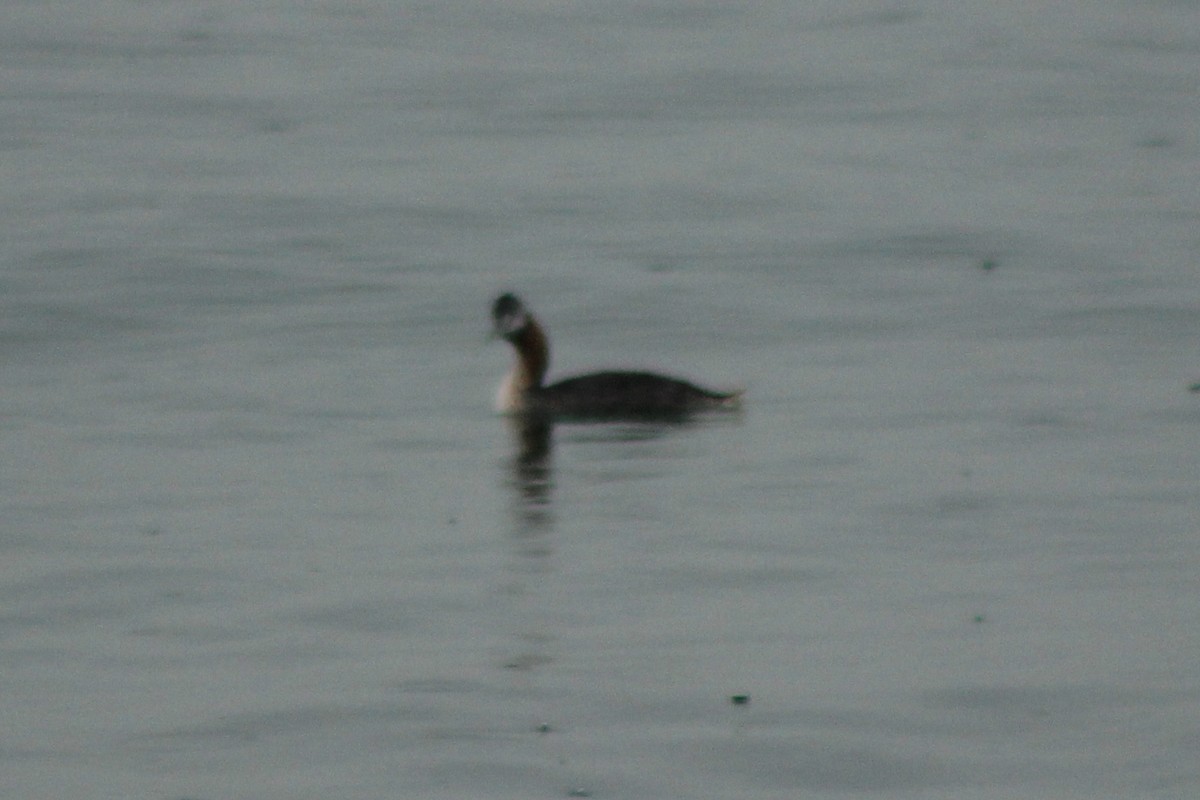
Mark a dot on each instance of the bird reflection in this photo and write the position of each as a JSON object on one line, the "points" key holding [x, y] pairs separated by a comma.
{"points": [[532, 462], [533, 476]]}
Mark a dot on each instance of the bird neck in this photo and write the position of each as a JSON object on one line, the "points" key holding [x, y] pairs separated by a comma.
{"points": [[533, 357]]}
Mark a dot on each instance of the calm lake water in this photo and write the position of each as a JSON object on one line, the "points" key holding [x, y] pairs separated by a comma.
{"points": [[262, 536]]}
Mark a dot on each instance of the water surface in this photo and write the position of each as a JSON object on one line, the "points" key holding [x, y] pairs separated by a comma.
{"points": [[263, 537]]}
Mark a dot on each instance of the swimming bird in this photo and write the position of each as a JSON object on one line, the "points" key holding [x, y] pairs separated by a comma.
{"points": [[599, 395]]}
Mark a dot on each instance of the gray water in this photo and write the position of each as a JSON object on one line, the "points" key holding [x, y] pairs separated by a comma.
{"points": [[262, 536]]}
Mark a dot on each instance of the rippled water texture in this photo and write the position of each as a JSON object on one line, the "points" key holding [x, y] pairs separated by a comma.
{"points": [[261, 535]]}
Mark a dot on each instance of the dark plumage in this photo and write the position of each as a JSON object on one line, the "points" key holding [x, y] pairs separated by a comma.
{"points": [[600, 395]]}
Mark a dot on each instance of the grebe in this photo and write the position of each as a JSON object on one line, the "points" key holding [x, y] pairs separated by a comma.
{"points": [[600, 395]]}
